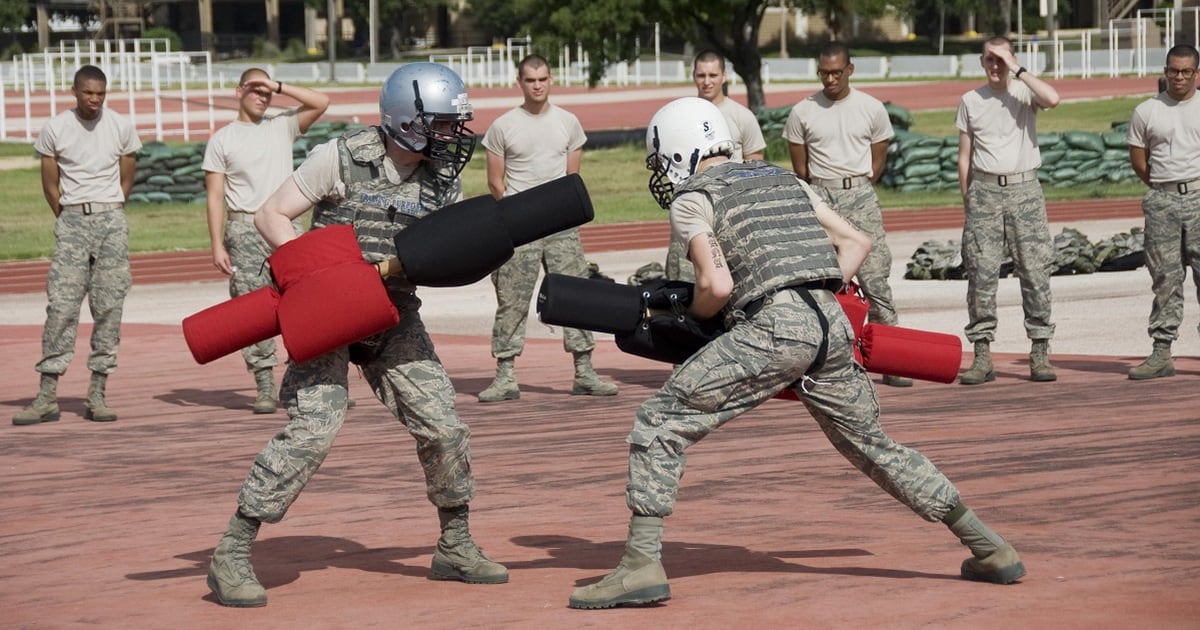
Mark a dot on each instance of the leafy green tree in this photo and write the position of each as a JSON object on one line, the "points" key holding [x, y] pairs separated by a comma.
{"points": [[15, 13]]}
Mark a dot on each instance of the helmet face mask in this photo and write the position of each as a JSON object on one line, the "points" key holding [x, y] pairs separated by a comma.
{"points": [[681, 135], [424, 108]]}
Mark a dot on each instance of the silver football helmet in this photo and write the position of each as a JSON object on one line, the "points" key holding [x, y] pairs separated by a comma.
{"points": [[424, 107], [680, 135]]}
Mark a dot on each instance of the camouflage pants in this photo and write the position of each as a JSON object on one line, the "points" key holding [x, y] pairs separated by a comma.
{"points": [[514, 281], [1172, 245], [750, 364], [247, 253], [91, 257], [677, 265], [1016, 215], [406, 375], [860, 206]]}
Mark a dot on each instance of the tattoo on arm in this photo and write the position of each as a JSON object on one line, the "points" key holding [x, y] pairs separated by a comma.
{"points": [[715, 250]]}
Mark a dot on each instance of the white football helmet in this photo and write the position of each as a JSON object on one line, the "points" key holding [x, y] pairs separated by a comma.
{"points": [[424, 107], [680, 135]]}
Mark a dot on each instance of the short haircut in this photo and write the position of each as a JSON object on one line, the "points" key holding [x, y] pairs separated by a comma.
{"points": [[89, 73], [708, 56], [533, 62], [1184, 50], [996, 41], [834, 49], [250, 73]]}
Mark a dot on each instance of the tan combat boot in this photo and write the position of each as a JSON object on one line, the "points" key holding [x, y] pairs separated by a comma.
{"points": [[504, 386], [457, 557], [1040, 369], [587, 382], [44, 407], [1157, 365], [981, 370], [992, 559], [230, 575], [264, 400], [97, 409], [639, 577]]}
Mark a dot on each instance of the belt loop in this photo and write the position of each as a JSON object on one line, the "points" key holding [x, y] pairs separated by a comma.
{"points": [[1002, 180], [86, 208], [847, 183], [1182, 187]]}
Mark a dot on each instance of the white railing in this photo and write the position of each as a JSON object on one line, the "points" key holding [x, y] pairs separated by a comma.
{"points": [[132, 67]]}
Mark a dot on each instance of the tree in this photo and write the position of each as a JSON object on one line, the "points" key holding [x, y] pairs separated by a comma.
{"points": [[610, 29], [14, 14], [838, 14]]}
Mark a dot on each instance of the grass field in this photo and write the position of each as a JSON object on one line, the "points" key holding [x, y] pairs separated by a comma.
{"points": [[616, 180]]}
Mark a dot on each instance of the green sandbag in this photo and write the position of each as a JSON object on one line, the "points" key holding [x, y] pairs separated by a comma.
{"points": [[138, 197], [189, 169], [1048, 140], [158, 197], [950, 153], [1053, 156], [901, 118], [918, 153], [1084, 140], [922, 170], [1063, 174], [177, 161], [1116, 155], [161, 180], [1114, 140]]}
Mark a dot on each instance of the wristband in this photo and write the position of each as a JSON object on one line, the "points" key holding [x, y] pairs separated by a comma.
{"points": [[1016, 76], [279, 90]]}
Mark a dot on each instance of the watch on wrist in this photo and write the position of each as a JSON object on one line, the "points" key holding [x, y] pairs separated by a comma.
{"points": [[1017, 75], [279, 90]]}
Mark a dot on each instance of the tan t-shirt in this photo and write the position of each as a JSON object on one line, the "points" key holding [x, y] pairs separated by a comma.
{"points": [[254, 157], [88, 153], [1003, 128], [692, 214], [838, 134], [1170, 131], [534, 147], [743, 126], [320, 175]]}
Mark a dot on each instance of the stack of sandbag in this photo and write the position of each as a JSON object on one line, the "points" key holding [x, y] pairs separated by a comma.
{"points": [[918, 162], [167, 174], [1076, 158]]}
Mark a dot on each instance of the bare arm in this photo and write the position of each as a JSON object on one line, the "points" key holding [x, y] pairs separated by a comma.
{"points": [[128, 170], [799, 155], [214, 184], [274, 219], [878, 158], [495, 174], [312, 104], [713, 282], [757, 155], [1044, 94], [50, 189], [964, 161], [852, 245], [1139, 160], [574, 159]]}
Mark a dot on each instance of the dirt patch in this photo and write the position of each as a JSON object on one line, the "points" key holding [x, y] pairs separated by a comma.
{"points": [[17, 162]]}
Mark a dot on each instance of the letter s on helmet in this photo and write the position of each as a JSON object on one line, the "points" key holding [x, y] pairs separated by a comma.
{"points": [[680, 135], [423, 107]]}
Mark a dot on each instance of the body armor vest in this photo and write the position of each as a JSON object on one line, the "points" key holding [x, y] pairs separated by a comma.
{"points": [[373, 205], [766, 228]]}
